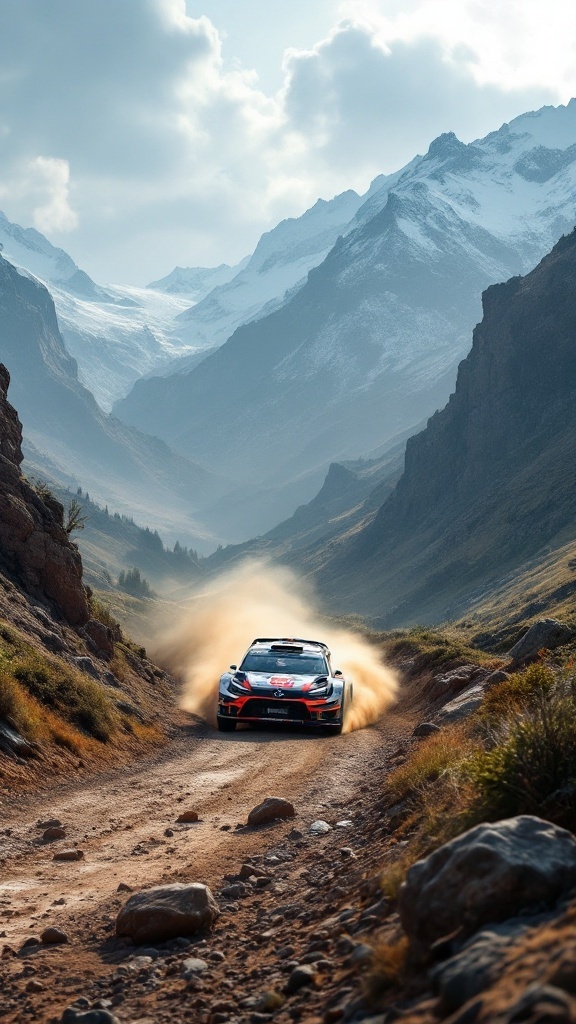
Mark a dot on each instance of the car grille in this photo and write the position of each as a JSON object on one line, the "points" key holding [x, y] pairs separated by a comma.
{"points": [[288, 710]]}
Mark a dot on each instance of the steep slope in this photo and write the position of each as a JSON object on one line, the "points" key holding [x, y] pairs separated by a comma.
{"points": [[490, 482], [27, 248], [122, 466], [280, 262], [370, 344]]}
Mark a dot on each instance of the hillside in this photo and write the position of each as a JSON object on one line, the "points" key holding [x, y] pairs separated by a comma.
{"points": [[489, 484], [75, 694], [370, 344], [124, 466]]}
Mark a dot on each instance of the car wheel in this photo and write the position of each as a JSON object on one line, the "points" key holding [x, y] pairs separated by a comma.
{"points": [[226, 724]]}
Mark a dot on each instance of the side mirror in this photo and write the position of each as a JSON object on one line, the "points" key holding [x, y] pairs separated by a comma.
{"points": [[337, 672], [233, 668]]}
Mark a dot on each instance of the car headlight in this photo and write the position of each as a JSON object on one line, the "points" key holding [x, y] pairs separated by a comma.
{"points": [[239, 687], [320, 687]]}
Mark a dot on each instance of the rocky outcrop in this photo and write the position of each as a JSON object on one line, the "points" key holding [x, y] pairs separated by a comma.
{"points": [[35, 549], [545, 634], [488, 874], [490, 482]]}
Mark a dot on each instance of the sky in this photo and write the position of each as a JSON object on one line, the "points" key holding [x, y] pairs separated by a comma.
{"points": [[144, 134]]}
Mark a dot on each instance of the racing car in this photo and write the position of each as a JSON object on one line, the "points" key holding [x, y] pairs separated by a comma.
{"points": [[284, 680]]}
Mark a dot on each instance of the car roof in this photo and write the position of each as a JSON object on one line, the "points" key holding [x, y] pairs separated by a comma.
{"points": [[289, 645]]}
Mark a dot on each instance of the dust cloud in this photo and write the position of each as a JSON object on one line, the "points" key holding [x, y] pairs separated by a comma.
{"points": [[254, 600]]}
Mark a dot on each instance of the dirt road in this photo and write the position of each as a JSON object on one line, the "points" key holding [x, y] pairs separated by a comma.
{"points": [[125, 825]]}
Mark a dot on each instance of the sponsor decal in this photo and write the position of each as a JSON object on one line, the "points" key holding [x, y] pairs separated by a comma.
{"points": [[281, 681]]}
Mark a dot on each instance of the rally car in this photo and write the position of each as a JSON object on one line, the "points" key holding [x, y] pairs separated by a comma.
{"points": [[284, 680]]}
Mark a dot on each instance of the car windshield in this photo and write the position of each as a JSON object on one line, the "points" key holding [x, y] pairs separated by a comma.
{"points": [[285, 664]]}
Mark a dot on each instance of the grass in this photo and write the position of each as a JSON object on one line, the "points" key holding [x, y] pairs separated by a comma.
{"points": [[515, 755], [387, 968], [76, 698], [432, 649]]}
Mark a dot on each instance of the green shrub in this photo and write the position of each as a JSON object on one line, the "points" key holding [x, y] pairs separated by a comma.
{"points": [[523, 692], [101, 612], [532, 769], [80, 701], [8, 697]]}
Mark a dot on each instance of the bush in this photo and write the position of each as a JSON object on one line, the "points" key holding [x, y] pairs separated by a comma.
{"points": [[523, 692], [78, 700], [532, 770], [8, 697]]}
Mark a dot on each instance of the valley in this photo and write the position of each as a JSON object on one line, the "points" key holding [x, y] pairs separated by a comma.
{"points": [[363, 432]]}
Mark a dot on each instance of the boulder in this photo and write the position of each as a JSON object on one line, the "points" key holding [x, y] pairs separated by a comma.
{"points": [[488, 874], [462, 706], [271, 808], [424, 730], [450, 683], [167, 912], [69, 855], [187, 816], [52, 833], [544, 634], [74, 1016]]}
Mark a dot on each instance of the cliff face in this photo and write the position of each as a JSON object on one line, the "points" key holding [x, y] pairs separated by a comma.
{"points": [[34, 546], [491, 480]]}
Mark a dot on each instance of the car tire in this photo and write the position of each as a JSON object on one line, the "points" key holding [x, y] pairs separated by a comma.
{"points": [[332, 730], [226, 724]]}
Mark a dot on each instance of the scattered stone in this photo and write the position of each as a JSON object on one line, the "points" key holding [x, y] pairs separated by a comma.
{"points": [[285, 952], [32, 940], [234, 892], [361, 953], [51, 823], [300, 977], [73, 1016], [348, 853], [123, 887], [268, 1002], [425, 729], [271, 808], [346, 823], [167, 911], [193, 966], [522, 862], [168, 832], [546, 633], [187, 816], [318, 828], [53, 936], [217, 956], [52, 833], [250, 870], [34, 986], [87, 665], [295, 834], [68, 855], [495, 678]]}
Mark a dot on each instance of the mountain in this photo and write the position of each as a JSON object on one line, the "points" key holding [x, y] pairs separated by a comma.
{"points": [[122, 466], [490, 483], [369, 345], [279, 263], [27, 248], [195, 282]]}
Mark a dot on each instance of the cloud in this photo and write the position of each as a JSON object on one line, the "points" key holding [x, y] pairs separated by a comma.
{"points": [[56, 213], [366, 103], [129, 127]]}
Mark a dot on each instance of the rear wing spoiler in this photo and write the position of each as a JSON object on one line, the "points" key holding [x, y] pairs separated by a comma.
{"points": [[290, 640]]}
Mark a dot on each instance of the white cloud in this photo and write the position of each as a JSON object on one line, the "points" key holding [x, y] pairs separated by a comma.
{"points": [[53, 177], [163, 149]]}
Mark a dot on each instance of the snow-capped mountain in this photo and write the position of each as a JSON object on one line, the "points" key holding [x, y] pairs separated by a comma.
{"points": [[195, 282], [369, 344], [281, 262], [27, 248]]}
